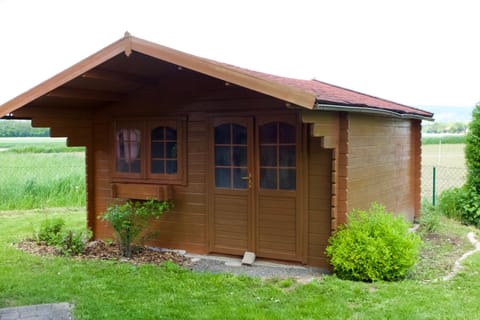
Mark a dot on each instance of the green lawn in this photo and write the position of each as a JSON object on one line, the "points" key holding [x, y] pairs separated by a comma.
{"points": [[115, 290]]}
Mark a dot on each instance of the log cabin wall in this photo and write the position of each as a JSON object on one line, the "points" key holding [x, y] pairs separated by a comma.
{"points": [[187, 226], [381, 160], [319, 201]]}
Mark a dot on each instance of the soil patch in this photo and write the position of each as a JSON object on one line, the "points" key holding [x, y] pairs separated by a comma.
{"points": [[100, 250]]}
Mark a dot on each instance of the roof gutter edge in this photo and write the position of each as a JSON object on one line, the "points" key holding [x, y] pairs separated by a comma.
{"points": [[331, 107]]}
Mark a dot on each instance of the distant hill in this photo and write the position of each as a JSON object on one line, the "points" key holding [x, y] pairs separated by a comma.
{"points": [[450, 114]]}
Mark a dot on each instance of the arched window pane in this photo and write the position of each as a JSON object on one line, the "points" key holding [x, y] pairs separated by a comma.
{"points": [[163, 150]]}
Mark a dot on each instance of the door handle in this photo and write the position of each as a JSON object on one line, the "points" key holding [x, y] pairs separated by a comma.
{"points": [[249, 178]]}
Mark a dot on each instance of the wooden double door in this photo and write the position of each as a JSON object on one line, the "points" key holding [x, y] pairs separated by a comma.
{"points": [[254, 172]]}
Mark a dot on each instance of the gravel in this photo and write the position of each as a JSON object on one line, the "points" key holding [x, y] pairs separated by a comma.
{"points": [[262, 269]]}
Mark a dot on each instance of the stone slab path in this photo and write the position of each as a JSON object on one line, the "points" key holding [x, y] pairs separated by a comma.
{"points": [[55, 311], [458, 264]]}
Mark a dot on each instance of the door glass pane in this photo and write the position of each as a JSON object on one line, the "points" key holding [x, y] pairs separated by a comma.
{"points": [[277, 156], [222, 177], [286, 133], [222, 134], [287, 156], [268, 156], [240, 156], [238, 178], [158, 166], [287, 179], [171, 166], [239, 134], [231, 156], [222, 156], [268, 133], [268, 178]]}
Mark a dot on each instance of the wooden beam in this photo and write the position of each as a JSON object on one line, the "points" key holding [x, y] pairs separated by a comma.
{"points": [[105, 75], [65, 76], [85, 94], [324, 124]]}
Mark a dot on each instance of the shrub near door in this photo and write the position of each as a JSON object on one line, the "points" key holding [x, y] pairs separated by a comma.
{"points": [[129, 219], [374, 245]]}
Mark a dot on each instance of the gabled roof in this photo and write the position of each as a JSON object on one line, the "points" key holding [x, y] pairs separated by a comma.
{"points": [[309, 94]]}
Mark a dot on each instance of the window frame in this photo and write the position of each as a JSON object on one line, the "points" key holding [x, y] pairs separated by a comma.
{"points": [[145, 175]]}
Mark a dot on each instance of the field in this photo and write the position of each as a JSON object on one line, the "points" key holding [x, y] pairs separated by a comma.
{"points": [[449, 163], [36, 173]]}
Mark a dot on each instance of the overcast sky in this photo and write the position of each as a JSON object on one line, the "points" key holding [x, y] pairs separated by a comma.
{"points": [[422, 53]]}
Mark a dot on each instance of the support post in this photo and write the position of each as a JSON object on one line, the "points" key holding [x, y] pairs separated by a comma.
{"points": [[434, 186]]}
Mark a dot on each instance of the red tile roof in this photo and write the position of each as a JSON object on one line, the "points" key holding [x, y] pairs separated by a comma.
{"points": [[329, 94]]}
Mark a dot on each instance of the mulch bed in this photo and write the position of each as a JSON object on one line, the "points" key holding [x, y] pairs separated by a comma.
{"points": [[101, 250]]}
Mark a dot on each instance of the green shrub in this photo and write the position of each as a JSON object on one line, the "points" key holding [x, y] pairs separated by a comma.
{"points": [[73, 243], [67, 242], [50, 231], [374, 245], [472, 151], [461, 204], [449, 203], [131, 218], [470, 206], [430, 217]]}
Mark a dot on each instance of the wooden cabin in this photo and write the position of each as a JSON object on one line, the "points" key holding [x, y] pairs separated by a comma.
{"points": [[253, 162]]}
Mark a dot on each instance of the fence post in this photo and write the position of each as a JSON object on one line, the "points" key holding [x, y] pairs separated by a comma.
{"points": [[434, 181]]}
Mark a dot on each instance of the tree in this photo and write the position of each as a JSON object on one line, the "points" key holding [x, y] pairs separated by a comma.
{"points": [[472, 151], [456, 127]]}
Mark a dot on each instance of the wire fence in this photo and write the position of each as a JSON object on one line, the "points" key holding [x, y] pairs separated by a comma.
{"points": [[436, 179]]}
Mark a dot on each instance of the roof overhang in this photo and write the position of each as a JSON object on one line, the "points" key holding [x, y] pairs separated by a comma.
{"points": [[125, 65], [129, 44]]}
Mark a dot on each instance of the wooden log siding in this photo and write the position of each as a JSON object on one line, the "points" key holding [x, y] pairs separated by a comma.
{"points": [[319, 202], [185, 226], [380, 164]]}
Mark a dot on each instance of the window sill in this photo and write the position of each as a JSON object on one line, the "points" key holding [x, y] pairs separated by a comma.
{"points": [[142, 191]]}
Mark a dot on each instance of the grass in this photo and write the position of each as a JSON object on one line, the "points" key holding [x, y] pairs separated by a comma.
{"points": [[114, 290], [37, 145], [444, 139], [39, 180], [443, 155]]}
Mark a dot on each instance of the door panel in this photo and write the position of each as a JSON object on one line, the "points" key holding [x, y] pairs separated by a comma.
{"points": [[277, 220], [231, 225], [276, 226], [253, 194]]}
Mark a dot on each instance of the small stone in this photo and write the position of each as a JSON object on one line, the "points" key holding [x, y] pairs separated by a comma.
{"points": [[248, 258]]}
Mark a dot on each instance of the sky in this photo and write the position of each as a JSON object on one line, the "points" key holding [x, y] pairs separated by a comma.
{"points": [[421, 53]]}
